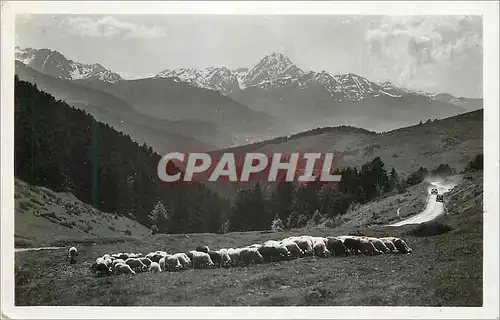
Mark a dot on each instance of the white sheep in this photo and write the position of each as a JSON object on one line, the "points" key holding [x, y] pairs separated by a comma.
{"points": [[106, 262], [154, 267], [146, 261], [116, 261], [122, 268], [367, 247], [226, 259], [136, 264], [293, 248], [72, 254], [107, 257], [201, 260], [251, 256], [183, 259], [379, 244], [320, 249], [170, 263], [234, 256]]}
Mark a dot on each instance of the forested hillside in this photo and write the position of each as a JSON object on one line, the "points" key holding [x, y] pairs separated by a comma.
{"points": [[66, 150]]}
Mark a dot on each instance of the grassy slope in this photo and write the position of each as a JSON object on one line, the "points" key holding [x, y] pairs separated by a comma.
{"points": [[444, 270], [44, 217], [455, 141], [384, 211]]}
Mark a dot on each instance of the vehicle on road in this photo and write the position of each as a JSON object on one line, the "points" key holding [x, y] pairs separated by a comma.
{"points": [[434, 191], [439, 198]]}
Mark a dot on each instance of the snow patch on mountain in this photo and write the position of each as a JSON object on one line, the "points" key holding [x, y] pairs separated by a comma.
{"points": [[55, 64], [273, 67], [390, 95], [240, 75], [278, 71], [218, 79], [25, 56]]}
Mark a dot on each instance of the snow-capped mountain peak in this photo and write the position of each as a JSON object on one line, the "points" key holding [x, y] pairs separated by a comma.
{"points": [[219, 79], [271, 68], [276, 70], [56, 64]]}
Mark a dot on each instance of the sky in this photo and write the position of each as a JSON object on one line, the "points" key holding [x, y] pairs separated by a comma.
{"points": [[435, 54]]}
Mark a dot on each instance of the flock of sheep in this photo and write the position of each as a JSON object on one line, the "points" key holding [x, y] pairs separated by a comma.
{"points": [[269, 251]]}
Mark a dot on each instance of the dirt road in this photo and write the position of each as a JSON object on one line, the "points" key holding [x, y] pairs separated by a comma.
{"points": [[433, 209], [36, 249]]}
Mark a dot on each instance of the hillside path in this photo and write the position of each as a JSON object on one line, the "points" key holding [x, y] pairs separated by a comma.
{"points": [[36, 249], [433, 209]]}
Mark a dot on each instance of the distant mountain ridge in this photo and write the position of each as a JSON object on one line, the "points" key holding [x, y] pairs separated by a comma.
{"points": [[54, 63], [164, 113], [274, 70], [277, 71], [238, 106], [161, 134]]}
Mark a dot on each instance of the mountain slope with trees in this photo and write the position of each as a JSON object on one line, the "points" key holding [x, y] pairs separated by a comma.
{"points": [[67, 150]]}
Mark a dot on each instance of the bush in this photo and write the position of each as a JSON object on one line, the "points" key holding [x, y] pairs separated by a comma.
{"points": [[225, 227], [416, 177], [128, 232], [277, 224], [334, 222], [302, 220], [296, 220], [154, 229], [317, 217], [292, 220], [330, 223], [476, 164], [443, 170]]}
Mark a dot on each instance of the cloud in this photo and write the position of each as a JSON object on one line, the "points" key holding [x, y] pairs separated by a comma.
{"points": [[404, 47], [110, 27]]}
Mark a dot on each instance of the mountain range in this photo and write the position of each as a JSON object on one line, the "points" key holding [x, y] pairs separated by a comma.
{"points": [[55, 64], [222, 107], [277, 71], [160, 134]]}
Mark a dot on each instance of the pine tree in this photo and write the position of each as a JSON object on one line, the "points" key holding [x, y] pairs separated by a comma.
{"points": [[293, 220], [159, 217], [261, 208], [305, 200], [277, 224], [240, 219], [476, 164], [281, 200], [394, 181], [332, 202], [317, 217]]}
